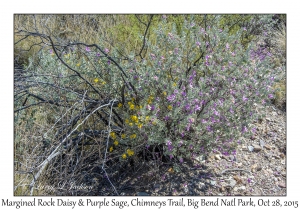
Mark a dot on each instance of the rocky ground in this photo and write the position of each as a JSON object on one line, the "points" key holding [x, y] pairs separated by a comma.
{"points": [[257, 169]]}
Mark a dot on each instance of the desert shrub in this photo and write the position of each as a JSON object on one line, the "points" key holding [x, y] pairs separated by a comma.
{"points": [[193, 93], [193, 89], [195, 96]]}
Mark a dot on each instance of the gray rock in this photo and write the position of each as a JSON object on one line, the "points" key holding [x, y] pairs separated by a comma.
{"points": [[217, 157], [244, 148], [232, 183], [256, 148], [276, 156], [200, 185], [232, 158], [241, 188], [250, 148], [200, 158], [262, 143], [213, 183], [142, 194], [282, 184], [267, 147]]}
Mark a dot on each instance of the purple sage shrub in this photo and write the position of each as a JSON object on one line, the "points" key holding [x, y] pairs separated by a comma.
{"points": [[198, 91]]}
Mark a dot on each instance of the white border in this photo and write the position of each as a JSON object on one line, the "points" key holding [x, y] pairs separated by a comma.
{"points": [[153, 6]]}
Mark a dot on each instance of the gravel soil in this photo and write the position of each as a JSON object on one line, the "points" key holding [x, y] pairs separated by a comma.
{"points": [[257, 169]]}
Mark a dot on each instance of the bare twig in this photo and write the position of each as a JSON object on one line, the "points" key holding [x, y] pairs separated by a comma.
{"points": [[56, 151], [107, 141]]}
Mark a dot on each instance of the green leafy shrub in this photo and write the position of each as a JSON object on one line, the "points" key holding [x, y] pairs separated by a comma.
{"points": [[193, 93]]}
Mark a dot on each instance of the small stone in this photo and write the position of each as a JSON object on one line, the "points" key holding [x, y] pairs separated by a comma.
{"points": [[213, 183], [200, 158], [259, 168], [175, 193], [142, 194], [268, 119], [222, 189], [282, 155], [200, 185], [274, 113], [232, 158], [242, 188], [254, 166], [237, 179], [276, 156], [267, 147], [239, 164], [250, 148], [256, 147], [282, 184], [232, 183], [262, 143], [235, 189], [218, 152], [244, 148], [217, 157], [282, 162], [283, 173]]}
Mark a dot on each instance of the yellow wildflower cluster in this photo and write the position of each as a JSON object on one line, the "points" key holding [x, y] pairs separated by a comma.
{"points": [[120, 105], [134, 118], [131, 105], [123, 136], [111, 149], [139, 125], [130, 152], [147, 118], [150, 99], [133, 136], [113, 135], [124, 156], [78, 64], [116, 143], [170, 107], [96, 80], [67, 56]]}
